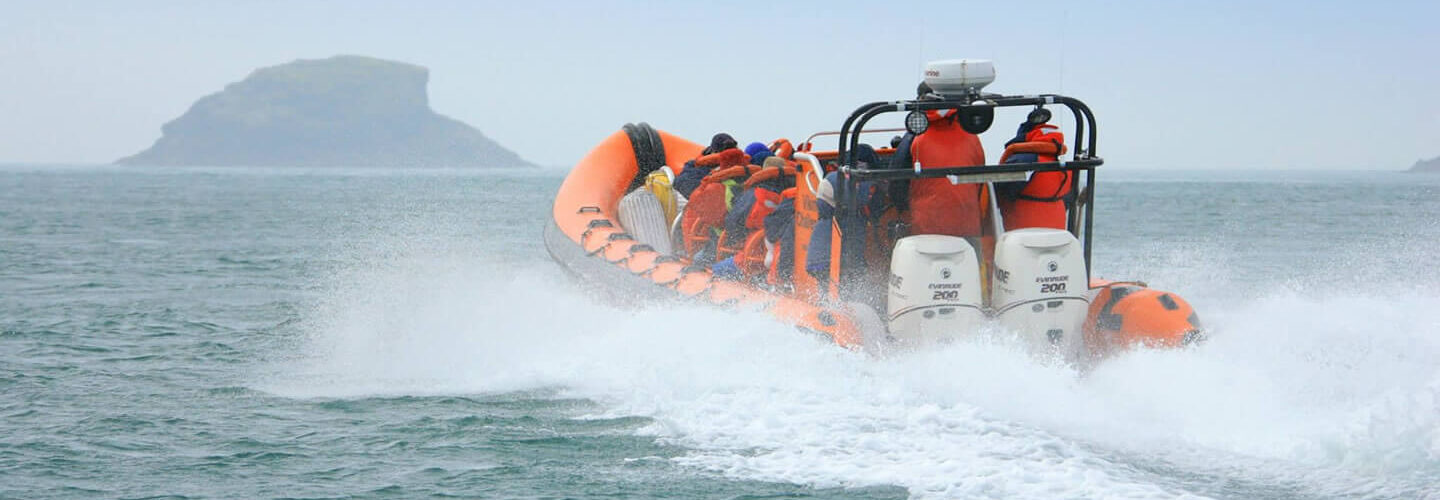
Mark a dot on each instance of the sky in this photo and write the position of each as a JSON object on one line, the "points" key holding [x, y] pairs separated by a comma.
{"points": [[1173, 84]]}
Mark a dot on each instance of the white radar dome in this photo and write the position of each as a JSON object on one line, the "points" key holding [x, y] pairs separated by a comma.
{"points": [[954, 77]]}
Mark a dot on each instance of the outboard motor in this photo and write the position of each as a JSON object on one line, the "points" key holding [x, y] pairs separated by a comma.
{"points": [[1040, 289], [935, 290]]}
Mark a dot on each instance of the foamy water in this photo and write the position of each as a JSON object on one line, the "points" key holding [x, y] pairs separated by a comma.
{"points": [[1323, 396], [223, 333]]}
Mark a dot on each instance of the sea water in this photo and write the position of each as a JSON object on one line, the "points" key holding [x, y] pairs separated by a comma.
{"points": [[373, 333]]}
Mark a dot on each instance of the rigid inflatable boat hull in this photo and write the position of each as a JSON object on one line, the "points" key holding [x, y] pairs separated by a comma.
{"points": [[586, 238]]}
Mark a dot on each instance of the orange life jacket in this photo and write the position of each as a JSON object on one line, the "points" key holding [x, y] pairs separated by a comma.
{"points": [[705, 211], [782, 148], [704, 215], [765, 203], [724, 158], [765, 200], [936, 205], [754, 256], [1042, 202]]}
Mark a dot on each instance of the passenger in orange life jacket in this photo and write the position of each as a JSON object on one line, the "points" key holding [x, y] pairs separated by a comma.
{"points": [[691, 175], [1039, 201], [936, 206], [747, 213], [709, 183]]}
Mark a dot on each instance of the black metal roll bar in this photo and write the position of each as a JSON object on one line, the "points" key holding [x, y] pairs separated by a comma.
{"points": [[810, 140], [1083, 158]]}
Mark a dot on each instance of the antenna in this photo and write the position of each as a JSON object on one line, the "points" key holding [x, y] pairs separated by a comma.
{"points": [[1064, 23], [920, 49]]}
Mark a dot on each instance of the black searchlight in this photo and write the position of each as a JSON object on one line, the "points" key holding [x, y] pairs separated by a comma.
{"points": [[976, 118], [916, 123]]}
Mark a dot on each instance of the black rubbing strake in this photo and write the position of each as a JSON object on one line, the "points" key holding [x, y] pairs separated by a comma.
{"points": [[649, 151]]}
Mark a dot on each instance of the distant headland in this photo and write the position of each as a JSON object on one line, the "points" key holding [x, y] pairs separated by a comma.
{"points": [[1430, 166], [339, 111]]}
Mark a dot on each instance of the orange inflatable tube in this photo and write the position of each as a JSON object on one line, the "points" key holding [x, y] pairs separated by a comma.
{"points": [[1128, 314]]}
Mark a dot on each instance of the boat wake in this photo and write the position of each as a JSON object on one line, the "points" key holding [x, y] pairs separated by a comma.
{"points": [[1293, 395]]}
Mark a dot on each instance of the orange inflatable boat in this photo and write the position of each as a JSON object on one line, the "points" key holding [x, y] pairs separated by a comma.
{"points": [[621, 226]]}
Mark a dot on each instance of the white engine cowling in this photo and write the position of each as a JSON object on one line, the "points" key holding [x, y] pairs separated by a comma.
{"points": [[1040, 290], [935, 289]]}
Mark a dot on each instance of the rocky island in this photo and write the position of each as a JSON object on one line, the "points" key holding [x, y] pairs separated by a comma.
{"points": [[340, 111], [1431, 166]]}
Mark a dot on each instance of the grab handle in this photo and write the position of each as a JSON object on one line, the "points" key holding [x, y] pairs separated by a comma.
{"points": [[815, 168]]}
